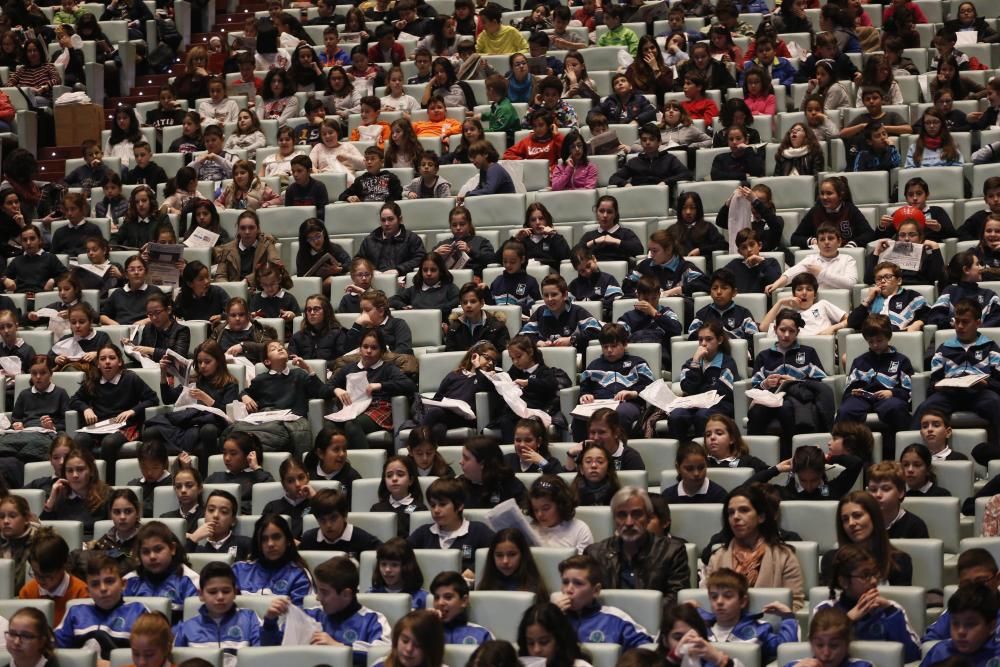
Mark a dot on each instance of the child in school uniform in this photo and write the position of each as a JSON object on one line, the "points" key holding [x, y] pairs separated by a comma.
{"points": [[451, 602], [48, 557], [592, 284], [335, 532], [736, 321], [242, 455], [514, 286], [560, 323], [880, 379], [42, 404], [219, 616]]}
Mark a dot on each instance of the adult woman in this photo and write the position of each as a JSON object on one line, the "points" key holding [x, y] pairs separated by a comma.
{"points": [[20, 170], [648, 74], [610, 241], [79, 494], [342, 97], [799, 154], [278, 94], [193, 84], [753, 547], [860, 522], [234, 260], [238, 335], [391, 247], [969, 20], [36, 75], [520, 82], [321, 335], [163, 332], [445, 83], [246, 191], [576, 83]]}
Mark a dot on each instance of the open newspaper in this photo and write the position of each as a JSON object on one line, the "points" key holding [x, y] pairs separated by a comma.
{"points": [[963, 382], [585, 410], [163, 258], [103, 427], [357, 389], [659, 394]]}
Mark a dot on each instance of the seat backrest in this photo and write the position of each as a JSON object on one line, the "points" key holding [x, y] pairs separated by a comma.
{"points": [[927, 555], [425, 325], [813, 520], [696, 523], [500, 611]]}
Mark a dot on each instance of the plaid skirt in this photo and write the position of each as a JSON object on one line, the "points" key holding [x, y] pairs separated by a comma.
{"points": [[380, 412]]}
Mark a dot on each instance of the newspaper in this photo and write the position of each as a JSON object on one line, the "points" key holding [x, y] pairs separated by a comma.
{"points": [[163, 258], [97, 269], [299, 627], [659, 394], [201, 238], [270, 416], [460, 408], [144, 361], [69, 348], [179, 366], [962, 382], [511, 394], [905, 255], [237, 89], [457, 259], [103, 427], [57, 324], [585, 410], [966, 38], [766, 398], [508, 514], [357, 389], [186, 400]]}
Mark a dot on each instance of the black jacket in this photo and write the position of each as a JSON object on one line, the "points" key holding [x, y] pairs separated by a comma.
{"points": [[644, 169], [660, 565], [460, 336], [732, 167], [403, 252]]}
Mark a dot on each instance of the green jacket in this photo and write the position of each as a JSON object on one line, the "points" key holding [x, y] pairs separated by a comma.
{"points": [[502, 117]]}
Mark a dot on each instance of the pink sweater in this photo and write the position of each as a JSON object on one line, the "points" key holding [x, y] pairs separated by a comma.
{"points": [[579, 177], [761, 106]]}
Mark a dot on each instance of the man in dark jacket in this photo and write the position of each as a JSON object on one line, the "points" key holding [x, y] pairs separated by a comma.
{"points": [[651, 166], [636, 559]]}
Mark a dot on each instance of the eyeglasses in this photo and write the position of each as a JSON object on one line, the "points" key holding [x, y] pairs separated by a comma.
{"points": [[314, 309], [21, 636], [885, 278], [154, 313], [865, 576]]}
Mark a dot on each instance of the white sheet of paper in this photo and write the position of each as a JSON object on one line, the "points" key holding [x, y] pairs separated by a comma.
{"points": [[236, 411], [511, 394], [69, 348], [299, 627], [740, 217], [454, 405], [271, 416], [357, 389], [97, 269], [906, 256], [766, 398], [964, 382], [659, 394], [201, 238], [144, 362], [249, 370], [508, 514], [185, 400], [103, 427], [47, 312], [10, 365], [966, 38], [585, 410]]}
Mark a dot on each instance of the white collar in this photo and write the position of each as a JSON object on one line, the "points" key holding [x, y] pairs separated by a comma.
{"points": [[621, 450], [532, 369], [142, 288], [346, 536], [191, 512], [48, 390], [700, 492], [58, 591], [288, 369], [377, 364], [280, 295], [115, 380], [77, 225], [166, 473], [219, 544], [324, 475], [18, 342], [926, 487], [942, 455], [898, 517], [93, 333], [295, 502], [240, 245], [448, 538], [405, 502], [613, 230]]}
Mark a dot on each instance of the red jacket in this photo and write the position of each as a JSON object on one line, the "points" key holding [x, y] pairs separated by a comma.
{"points": [[705, 109], [397, 53], [6, 108], [530, 148]]}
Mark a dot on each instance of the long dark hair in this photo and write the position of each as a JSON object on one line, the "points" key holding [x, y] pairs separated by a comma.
{"points": [[291, 554], [496, 473], [330, 321], [567, 148], [526, 578], [132, 133], [444, 275], [879, 545], [412, 578], [411, 470], [188, 224], [549, 616], [158, 530], [768, 528]]}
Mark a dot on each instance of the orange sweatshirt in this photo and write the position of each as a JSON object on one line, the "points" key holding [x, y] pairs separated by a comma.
{"points": [[76, 589]]}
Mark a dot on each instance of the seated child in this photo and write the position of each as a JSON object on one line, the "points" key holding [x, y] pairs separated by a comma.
{"points": [[651, 166], [592, 284], [215, 164], [48, 556], [308, 134], [217, 534], [515, 286], [975, 566], [905, 308], [830, 640], [113, 206], [830, 267], [614, 375], [560, 323], [736, 321], [428, 184], [219, 616], [973, 615], [154, 465], [397, 571], [880, 379], [93, 171], [818, 317], [877, 154], [371, 128], [712, 368], [887, 485], [42, 404], [451, 602], [730, 621], [376, 184], [592, 620], [162, 571], [544, 142], [107, 619], [693, 485], [335, 533], [242, 455], [295, 502], [450, 530], [648, 321], [344, 620]]}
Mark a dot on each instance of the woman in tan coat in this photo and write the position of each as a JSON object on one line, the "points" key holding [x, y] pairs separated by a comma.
{"points": [[239, 259], [754, 548]]}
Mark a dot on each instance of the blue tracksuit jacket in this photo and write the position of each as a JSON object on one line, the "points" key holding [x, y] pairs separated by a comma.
{"points": [[460, 631], [800, 362], [736, 320], [574, 322], [88, 621], [355, 626], [289, 579], [944, 308], [599, 286], [905, 307], [605, 378], [986, 655], [177, 587], [420, 597], [941, 629], [952, 360], [751, 628], [719, 374], [515, 289], [602, 624], [875, 372], [666, 323], [889, 624], [678, 271], [237, 629]]}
